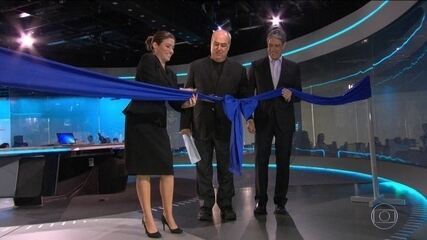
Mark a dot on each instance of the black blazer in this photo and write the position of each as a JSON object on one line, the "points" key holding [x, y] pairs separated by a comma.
{"points": [[150, 70], [261, 81], [207, 118]]}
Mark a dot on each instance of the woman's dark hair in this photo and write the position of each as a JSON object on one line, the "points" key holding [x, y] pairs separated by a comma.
{"points": [[158, 38]]}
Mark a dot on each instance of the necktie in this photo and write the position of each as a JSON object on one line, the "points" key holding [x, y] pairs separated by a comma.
{"points": [[276, 73]]}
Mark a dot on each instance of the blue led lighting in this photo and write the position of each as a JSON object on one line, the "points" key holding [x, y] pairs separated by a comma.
{"points": [[364, 154], [33, 151], [127, 77], [312, 150], [374, 64], [413, 64], [181, 74], [352, 26]]}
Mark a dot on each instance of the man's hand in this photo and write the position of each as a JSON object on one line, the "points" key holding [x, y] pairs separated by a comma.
{"points": [[250, 125], [287, 94], [186, 131]]}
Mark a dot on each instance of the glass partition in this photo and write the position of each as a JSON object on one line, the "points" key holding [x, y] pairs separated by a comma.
{"points": [[395, 60]]}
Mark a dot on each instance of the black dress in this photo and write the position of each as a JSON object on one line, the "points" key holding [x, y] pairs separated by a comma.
{"points": [[147, 145]]}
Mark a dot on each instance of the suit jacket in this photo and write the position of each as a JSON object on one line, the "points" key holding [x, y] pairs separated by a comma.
{"points": [[150, 70], [208, 119], [261, 81]]}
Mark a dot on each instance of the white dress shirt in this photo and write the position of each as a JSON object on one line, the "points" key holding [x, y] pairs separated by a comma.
{"points": [[275, 68]]}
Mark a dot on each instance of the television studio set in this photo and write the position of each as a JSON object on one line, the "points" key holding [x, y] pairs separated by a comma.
{"points": [[294, 119]]}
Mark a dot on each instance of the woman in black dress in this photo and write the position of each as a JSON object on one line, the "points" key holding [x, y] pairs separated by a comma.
{"points": [[148, 150]]}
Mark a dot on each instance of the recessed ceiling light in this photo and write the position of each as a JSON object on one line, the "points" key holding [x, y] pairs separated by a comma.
{"points": [[163, 25], [153, 20], [130, 10], [141, 16], [24, 15], [26, 40], [114, 3]]}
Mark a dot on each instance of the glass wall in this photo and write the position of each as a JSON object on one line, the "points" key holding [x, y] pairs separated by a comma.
{"points": [[395, 60], [34, 119]]}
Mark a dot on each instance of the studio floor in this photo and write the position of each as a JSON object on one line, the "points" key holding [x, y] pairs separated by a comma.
{"points": [[319, 207]]}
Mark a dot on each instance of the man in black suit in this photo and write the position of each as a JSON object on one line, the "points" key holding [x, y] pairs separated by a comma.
{"points": [[273, 117], [214, 75]]}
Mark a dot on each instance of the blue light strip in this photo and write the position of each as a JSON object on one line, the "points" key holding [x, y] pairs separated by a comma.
{"points": [[127, 77], [374, 64], [32, 151], [384, 181], [413, 64], [312, 150], [363, 154], [352, 26], [184, 74]]}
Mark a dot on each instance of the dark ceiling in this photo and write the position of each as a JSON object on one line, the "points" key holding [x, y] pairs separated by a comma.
{"points": [[112, 33]]}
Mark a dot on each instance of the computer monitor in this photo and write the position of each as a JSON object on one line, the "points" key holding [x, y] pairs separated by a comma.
{"points": [[66, 138]]}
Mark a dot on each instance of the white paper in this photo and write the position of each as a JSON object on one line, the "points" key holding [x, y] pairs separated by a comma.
{"points": [[193, 154]]}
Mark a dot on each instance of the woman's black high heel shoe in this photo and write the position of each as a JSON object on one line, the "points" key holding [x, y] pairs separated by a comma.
{"points": [[152, 235], [176, 230]]}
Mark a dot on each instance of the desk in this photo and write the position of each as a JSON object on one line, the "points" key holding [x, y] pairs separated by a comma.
{"points": [[30, 173]]}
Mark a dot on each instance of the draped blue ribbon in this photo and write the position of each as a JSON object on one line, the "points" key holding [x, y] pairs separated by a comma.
{"points": [[234, 108], [24, 71]]}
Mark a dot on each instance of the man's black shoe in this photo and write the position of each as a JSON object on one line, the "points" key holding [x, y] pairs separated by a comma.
{"points": [[260, 209], [205, 214], [228, 214], [280, 209]]}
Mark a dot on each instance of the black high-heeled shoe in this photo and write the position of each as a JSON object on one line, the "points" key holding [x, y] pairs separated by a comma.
{"points": [[176, 230], [151, 235]]}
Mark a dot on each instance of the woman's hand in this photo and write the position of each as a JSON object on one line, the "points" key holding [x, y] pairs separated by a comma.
{"points": [[190, 102]]}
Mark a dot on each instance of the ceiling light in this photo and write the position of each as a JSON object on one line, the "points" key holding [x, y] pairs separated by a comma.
{"points": [[130, 10], [24, 15], [276, 21], [114, 3], [26, 40]]}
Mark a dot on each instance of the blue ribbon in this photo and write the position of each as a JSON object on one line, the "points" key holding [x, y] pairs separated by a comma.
{"points": [[234, 108], [20, 70]]}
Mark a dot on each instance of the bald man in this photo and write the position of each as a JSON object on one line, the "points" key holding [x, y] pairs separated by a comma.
{"points": [[214, 75]]}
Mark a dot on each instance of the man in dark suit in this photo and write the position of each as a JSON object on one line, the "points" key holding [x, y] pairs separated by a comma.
{"points": [[214, 75], [273, 117]]}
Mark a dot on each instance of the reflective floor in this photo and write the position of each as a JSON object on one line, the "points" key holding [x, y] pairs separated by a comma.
{"points": [[319, 207]]}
